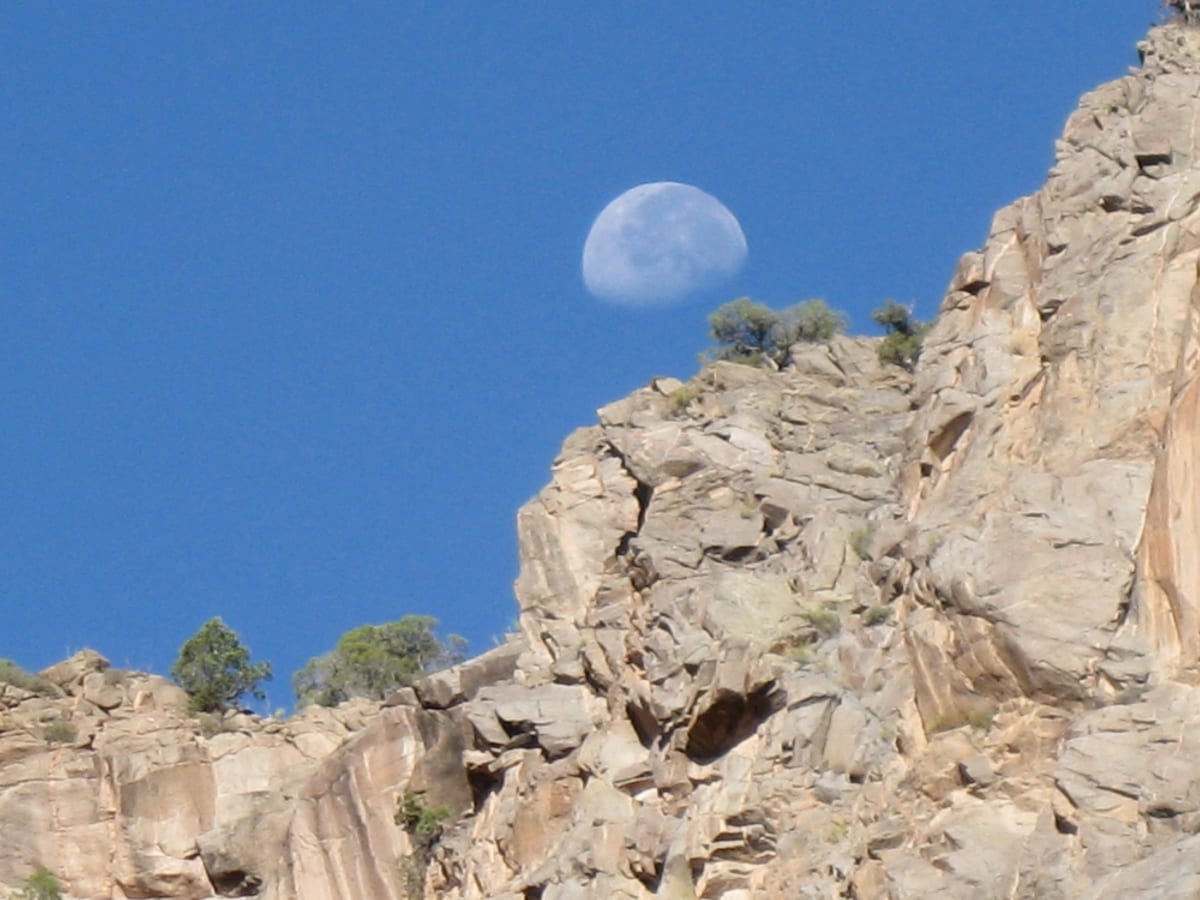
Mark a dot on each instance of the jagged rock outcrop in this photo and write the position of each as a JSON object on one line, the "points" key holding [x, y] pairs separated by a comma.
{"points": [[689, 550], [833, 630], [106, 780], [1025, 535]]}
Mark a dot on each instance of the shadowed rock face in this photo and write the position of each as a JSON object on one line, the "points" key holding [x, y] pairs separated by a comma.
{"points": [[826, 631]]}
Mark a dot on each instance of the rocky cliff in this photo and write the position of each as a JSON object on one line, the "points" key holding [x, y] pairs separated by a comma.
{"points": [[831, 631]]}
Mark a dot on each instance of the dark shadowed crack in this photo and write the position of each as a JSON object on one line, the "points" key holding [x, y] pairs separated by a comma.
{"points": [[730, 720], [642, 492]]}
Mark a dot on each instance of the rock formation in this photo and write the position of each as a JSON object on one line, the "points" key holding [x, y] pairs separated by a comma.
{"points": [[834, 630]]}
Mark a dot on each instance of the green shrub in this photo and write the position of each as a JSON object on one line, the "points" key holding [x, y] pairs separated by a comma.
{"points": [[41, 885], [743, 329], [416, 817], [681, 399], [60, 732], [981, 717], [803, 654], [860, 541], [750, 333], [902, 345], [877, 615], [424, 825], [11, 673], [826, 621], [210, 724], [811, 322], [374, 661], [215, 669]]}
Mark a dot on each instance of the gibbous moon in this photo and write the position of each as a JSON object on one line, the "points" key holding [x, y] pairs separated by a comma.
{"points": [[659, 243]]}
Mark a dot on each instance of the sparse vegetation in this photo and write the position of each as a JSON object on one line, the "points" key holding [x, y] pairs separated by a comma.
{"points": [[60, 732], [902, 345], [837, 831], [803, 654], [376, 660], [415, 816], [751, 333], [978, 717], [1186, 12], [41, 885], [210, 724], [424, 824], [11, 673], [826, 621], [877, 615], [215, 669], [681, 399], [981, 717], [860, 540], [944, 722]]}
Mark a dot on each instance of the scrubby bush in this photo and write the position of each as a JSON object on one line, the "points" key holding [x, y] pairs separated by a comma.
{"points": [[41, 885], [825, 621], [743, 331], [681, 399], [417, 817], [902, 345], [1183, 11], [877, 615], [861, 539], [11, 673], [751, 333], [210, 724], [811, 322], [373, 661], [60, 732], [424, 825], [215, 669]]}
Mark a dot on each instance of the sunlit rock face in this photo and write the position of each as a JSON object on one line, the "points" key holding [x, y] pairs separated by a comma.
{"points": [[831, 630], [109, 782], [1056, 403]]}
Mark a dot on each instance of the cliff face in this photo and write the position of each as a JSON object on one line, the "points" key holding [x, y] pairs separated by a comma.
{"points": [[108, 782], [829, 631]]}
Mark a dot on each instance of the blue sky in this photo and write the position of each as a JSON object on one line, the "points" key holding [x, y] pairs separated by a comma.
{"points": [[292, 313]]}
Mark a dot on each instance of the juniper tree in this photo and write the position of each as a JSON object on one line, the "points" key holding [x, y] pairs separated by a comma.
{"points": [[375, 660], [751, 333], [215, 669]]}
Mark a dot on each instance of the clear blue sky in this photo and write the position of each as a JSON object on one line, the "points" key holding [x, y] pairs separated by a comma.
{"points": [[292, 313]]}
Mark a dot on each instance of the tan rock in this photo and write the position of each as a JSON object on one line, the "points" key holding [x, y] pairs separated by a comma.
{"points": [[822, 631]]}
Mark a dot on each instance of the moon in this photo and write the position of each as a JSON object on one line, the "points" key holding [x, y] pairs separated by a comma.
{"points": [[659, 243]]}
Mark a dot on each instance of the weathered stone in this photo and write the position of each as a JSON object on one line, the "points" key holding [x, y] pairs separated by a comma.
{"points": [[448, 687], [976, 770]]}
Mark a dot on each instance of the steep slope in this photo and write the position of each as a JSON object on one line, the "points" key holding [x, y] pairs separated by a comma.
{"points": [[1035, 548], [827, 631]]}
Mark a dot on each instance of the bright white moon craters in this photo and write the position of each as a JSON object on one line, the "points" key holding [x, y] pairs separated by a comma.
{"points": [[659, 243]]}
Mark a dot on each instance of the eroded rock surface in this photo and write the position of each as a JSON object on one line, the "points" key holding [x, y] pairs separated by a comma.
{"points": [[106, 780]]}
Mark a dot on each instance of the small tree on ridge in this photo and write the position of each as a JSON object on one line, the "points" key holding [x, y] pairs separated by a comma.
{"points": [[375, 660], [749, 332], [214, 668], [902, 345], [41, 885]]}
